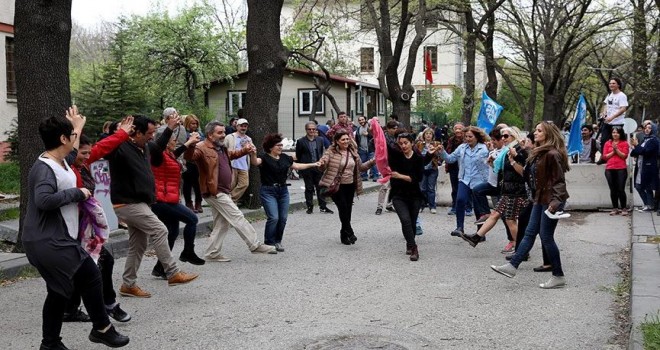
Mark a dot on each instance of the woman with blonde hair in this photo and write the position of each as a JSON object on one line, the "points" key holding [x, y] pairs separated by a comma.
{"points": [[190, 176], [425, 140], [544, 174]]}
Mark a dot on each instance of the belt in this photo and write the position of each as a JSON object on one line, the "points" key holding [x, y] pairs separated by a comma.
{"points": [[278, 185]]}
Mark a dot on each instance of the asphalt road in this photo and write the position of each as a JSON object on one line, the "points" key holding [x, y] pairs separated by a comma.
{"points": [[320, 294]]}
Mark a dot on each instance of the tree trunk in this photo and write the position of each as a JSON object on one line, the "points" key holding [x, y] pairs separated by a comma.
{"points": [[470, 57], [553, 108], [402, 109], [531, 102], [639, 61], [42, 34], [267, 59], [491, 84]]}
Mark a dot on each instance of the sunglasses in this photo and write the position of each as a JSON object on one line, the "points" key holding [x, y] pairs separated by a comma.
{"points": [[505, 136]]}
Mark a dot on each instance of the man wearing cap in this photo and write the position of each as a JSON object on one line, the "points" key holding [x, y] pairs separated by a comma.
{"points": [[240, 167]]}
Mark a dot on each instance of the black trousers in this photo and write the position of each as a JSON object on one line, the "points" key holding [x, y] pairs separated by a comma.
{"points": [[190, 179], [343, 199], [106, 264], [616, 180], [311, 177], [87, 280], [523, 220], [407, 208]]}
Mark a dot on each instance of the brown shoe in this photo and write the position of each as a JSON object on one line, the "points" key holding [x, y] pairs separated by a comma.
{"points": [[198, 208], [181, 278], [133, 291]]}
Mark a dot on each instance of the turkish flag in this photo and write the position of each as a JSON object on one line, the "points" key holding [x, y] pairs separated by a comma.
{"points": [[428, 66]]}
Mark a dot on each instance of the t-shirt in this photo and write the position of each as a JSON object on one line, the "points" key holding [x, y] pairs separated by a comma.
{"points": [[614, 103], [224, 171], [242, 162], [274, 171], [364, 139]]}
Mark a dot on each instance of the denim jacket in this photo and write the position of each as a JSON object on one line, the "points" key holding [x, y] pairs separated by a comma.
{"points": [[473, 168]]}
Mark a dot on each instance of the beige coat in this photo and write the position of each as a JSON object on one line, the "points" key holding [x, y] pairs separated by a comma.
{"points": [[332, 160]]}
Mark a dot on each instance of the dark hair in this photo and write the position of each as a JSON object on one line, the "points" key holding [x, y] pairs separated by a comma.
{"points": [[113, 128], [478, 133], [622, 134], [392, 124], [51, 129], [338, 135], [588, 127], [530, 136], [84, 141], [618, 82], [495, 133], [270, 140], [239, 113], [394, 116], [403, 134], [342, 112], [141, 123]]}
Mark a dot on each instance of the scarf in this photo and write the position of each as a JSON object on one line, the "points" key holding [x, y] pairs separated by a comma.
{"points": [[381, 151], [93, 230]]}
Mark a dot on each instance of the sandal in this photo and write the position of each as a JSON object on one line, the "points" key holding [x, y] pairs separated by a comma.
{"points": [[615, 212]]}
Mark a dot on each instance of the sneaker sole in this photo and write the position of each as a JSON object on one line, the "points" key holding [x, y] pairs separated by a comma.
{"points": [[501, 272], [133, 295], [120, 319], [274, 251], [553, 287], [94, 339]]}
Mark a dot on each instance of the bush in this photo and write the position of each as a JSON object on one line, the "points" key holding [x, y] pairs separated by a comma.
{"points": [[12, 138], [10, 181]]}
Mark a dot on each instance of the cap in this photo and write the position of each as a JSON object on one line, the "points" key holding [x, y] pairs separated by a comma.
{"points": [[242, 121]]}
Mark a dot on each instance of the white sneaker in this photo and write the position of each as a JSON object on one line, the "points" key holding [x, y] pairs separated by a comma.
{"points": [[507, 270], [433, 211], [557, 215], [554, 282], [265, 249], [218, 258]]}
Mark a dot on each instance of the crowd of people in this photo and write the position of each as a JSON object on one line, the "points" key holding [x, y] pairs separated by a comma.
{"points": [[152, 162]]}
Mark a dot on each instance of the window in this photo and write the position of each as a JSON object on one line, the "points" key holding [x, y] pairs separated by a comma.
{"points": [[431, 21], [359, 102], [11, 75], [235, 100], [433, 51], [381, 104], [366, 22], [305, 101], [367, 59]]}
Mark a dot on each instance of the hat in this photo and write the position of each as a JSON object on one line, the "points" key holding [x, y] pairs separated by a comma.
{"points": [[242, 121]]}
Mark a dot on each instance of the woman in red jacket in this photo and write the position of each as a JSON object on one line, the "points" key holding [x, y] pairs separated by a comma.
{"points": [[167, 173], [616, 152]]}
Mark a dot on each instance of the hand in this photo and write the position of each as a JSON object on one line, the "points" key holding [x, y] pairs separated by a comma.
{"points": [[512, 152], [127, 124], [173, 121], [395, 175], [85, 192], [76, 119], [193, 139], [251, 148]]}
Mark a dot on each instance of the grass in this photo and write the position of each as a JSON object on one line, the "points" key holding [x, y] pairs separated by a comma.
{"points": [[10, 181], [651, 331], [10, 214]]}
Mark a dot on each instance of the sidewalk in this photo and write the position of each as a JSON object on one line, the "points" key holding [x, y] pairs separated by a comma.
{"points": [[11, 264], [645, 271]]}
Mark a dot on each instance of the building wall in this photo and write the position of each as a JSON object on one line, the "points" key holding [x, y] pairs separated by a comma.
{"points": [[8, 109], [290, 121]]}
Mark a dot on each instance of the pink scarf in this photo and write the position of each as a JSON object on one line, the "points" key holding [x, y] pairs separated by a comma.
{"points": [[93, 227], [381, 151]]}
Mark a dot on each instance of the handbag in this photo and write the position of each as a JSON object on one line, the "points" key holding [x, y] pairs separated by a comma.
{"points": [[328, 191]]}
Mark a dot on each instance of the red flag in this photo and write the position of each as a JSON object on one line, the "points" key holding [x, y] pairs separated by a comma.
{"points": [[429, 66]]}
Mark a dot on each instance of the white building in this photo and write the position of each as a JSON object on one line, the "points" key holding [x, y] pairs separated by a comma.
{"points": [[446, 49], [8, 109]]}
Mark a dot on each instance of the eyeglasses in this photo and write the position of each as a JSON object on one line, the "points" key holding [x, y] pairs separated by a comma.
{"points": [[505, 136], [312, 129]]}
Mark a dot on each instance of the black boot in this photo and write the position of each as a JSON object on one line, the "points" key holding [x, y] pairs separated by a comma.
{"points": [[159, 271], [54, 346], [473, 239], [414, 254], [188, 255], [343, 236], [110, 338]]}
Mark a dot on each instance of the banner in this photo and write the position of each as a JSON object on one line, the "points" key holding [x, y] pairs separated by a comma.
{"points": [[488, 113], [575, 137]]}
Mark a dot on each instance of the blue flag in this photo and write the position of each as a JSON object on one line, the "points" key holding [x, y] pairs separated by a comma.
{"points": [[488, 113], [575, 138]]}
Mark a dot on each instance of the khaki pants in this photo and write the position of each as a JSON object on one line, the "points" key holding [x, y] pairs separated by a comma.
{"points": [[239, 183], [226, 214], [143, 224]]}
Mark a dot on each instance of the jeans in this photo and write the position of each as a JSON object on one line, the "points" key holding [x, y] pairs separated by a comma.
{"points": [[463, 197], [428, 184], [276, 205], [364, 157], [523, 221], [343, 199], [86, 280], [407, 209], [311, 177], [479, 193], [540, 224], [616, 180], [646, 194], [190, 179], [453, 179], [173, 213]]}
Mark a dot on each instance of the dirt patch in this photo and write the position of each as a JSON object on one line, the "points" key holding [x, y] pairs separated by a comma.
{"points": [[621, 305]]}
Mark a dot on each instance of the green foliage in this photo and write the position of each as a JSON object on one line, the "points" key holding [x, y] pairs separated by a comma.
{"points": [[651, 331], [439, 109], [12, 138], [10, 181], [10, 214]]}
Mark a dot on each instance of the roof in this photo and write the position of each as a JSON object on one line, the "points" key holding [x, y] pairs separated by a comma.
{"points": [[289, 71]]}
